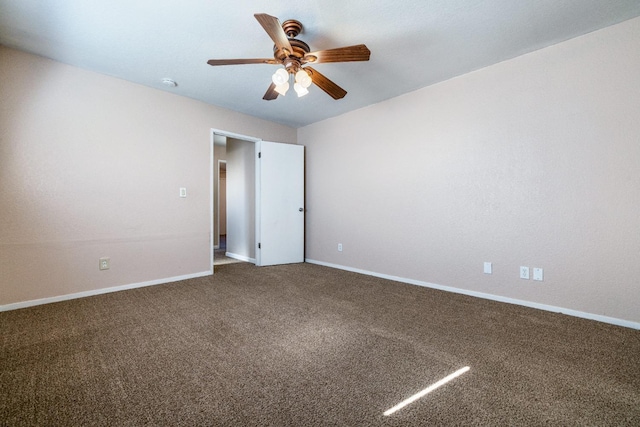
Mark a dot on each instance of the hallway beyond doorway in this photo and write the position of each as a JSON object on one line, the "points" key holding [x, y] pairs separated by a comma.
{"points": [[219, 257]]}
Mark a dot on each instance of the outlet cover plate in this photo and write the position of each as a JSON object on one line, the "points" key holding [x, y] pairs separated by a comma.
{"points": [[524, 273], [105, 263], [538, 274]]}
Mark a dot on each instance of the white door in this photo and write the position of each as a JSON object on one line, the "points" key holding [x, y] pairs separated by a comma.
{"points": [[280, 216]]}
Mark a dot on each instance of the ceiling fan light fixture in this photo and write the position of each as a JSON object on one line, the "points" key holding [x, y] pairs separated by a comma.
{"points": [[282, 88], [292, 54], [303, 78], [280, 77], [300, 90]]}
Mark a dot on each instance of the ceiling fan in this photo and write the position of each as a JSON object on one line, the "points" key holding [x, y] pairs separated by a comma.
{"points": [[294, 55]]}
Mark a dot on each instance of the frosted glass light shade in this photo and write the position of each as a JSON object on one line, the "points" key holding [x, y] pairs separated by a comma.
{"points": [[283, 88], [303, 78], [300, 90], [281, 76]]}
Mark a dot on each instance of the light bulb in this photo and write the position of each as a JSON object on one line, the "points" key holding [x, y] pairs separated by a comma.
{"points": [[300, 90], [280, 77], [303, 78], [283, 88]]}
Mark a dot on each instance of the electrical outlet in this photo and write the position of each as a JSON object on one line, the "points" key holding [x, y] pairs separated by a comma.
{"points": [[105, 263], [537, 274], [488, 268], [183, 192], [339, 247], [524, 273]]}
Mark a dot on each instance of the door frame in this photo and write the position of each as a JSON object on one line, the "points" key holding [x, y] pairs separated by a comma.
{"points": [[258, 204], [212, 171]]}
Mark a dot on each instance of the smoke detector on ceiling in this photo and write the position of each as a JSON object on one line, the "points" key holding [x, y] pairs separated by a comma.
{"points": [[169, 82]]}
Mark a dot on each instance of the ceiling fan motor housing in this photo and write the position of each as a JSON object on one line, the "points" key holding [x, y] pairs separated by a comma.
{"points": [[292, 61]]}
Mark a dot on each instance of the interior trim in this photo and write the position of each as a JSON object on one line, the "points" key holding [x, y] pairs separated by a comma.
{"points": [[240, 257], [31, 303], [562, 310]]}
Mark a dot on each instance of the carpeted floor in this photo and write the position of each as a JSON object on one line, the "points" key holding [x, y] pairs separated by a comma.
{"points": [[305, 345]]}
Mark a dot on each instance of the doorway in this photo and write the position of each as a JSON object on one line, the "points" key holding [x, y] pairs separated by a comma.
{"points": [[233, 201], [222, 204], [264, 198], [220, 249]]}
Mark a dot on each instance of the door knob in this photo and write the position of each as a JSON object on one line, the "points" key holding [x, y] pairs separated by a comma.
{"points": [[300, 210]]}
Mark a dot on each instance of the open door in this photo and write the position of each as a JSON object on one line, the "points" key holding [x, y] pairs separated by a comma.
{"points": [[280, 194]]}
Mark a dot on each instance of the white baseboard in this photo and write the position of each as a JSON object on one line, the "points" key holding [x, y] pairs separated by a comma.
{"points": [[59, 298], [240, 257], [567, 311]]}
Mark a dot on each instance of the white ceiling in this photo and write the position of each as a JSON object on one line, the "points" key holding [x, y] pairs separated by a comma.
{"points": [[413, 43]]}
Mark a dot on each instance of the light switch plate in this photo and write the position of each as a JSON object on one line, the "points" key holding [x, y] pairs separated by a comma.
{"points": [[488, 269]]}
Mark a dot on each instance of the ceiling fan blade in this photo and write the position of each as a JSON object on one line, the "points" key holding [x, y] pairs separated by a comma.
{"points": [[242, 61], [272, 26], [357, 52], [332, 89], [271, 93]]}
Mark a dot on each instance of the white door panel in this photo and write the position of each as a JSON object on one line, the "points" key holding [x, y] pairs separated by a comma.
{"points": [[281, 204]]}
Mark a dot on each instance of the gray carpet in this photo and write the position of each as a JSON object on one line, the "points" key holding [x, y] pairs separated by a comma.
{"points": [[305, 345]]}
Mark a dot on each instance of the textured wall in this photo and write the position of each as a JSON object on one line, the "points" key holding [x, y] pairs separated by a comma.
{"points": [[534, 161], [90, 167]]}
